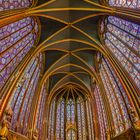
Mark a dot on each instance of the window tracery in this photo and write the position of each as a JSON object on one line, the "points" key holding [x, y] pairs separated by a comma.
{"points": [[23, 95], [71, 135], [125, 3], [123, 39], [102, 118], [41, 109], [16, 39], [14, 4], [117, 97], [71, 126], [60, 120], [52, 120], [90, 120]]}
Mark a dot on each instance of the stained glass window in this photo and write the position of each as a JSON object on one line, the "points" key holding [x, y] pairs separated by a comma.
{"points": [[70, 114], [101, 113], [16, 39], [71, 135], [60, 120], [123, 39], [125, 3], [23, 95], [117, 97], [51, 122], [89, 115], [70, 111], [14, 4], [81, 119], [40, 111]]}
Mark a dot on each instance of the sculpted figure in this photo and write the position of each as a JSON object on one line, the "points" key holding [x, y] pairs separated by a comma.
{"points": [[4, 130], [35, 135], [5, 124]]}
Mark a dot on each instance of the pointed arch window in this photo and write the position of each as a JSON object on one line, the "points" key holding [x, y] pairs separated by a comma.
{"points": [[60, 120], [23, 95], [102, 118], [81, 119], [52, 121], [117, 97], [90, 122], [70, 111], [40, 111], [123, 39], [71, 118]]}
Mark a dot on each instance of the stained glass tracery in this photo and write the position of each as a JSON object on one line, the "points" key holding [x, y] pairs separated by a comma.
{"points": [[82, 120], [23, 95], [16, 40], [40, 110], [123, 39], [71, 135], [60, 120], [51, 122], [70, 111], [101, 113], [14, 4], [71, 115], [90, 122], [117, 97], [135, 4]]}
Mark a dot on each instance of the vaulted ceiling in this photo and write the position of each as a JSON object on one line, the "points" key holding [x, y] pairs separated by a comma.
{"points": [[70, 31]]}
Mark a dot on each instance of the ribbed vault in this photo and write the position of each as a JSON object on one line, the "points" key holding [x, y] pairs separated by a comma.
{"points": [[72, 63], [71, 53]]}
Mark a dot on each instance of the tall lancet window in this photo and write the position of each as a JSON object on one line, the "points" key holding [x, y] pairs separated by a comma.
{"points": [[23, 95], [70, 118], [70, 111], [117, 98], [81, 119], [102, 118], [60, 120], [123, 39], [90, 123], [71, 131], [51, 121], [41, 110]]}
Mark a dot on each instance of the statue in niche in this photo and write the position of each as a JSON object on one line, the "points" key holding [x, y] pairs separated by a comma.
{"points": [[5, 124], [4, 130]]}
